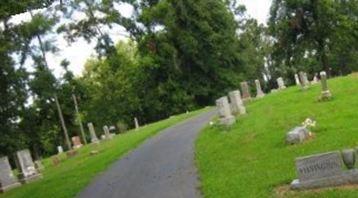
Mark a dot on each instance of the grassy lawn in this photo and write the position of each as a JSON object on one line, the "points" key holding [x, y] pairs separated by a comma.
{"points": [[252, 160], [72, 175]]}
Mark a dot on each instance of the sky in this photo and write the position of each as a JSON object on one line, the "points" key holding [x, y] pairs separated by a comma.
{"points": [[77, 53]]}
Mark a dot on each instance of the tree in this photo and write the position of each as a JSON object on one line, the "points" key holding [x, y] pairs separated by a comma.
{"points": [[310, 34]]}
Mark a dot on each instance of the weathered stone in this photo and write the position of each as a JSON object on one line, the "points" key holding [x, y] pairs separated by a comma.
{"points": [[281, 83], [94, 138], [259, 91], [325, 94], [349, 159], [136, 123], [314, 80], [304, 80], [349, 177], [59, 149], [236, 103], [245, 91], [76, 141], [26, 166], [297, 79], [225, 116], [324, 170], [106, 132], [319, 166], [7, 178], [297, 135]]}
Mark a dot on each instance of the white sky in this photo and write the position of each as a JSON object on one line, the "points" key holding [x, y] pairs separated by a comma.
{"points": [[80, 51]]}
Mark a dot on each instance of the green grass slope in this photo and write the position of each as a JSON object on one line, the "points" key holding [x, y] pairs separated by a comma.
{"points": [[252, 160], [72, 175]]}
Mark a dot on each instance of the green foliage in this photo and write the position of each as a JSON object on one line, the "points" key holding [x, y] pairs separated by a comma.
{"points": [[252, 159], [314, 36]]}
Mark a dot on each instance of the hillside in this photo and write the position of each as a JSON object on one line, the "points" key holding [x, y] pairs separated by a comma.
{"points": [[251, 158]]}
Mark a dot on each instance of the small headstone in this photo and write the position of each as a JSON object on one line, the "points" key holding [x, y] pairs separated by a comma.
{"points": [[281, 83], [297, 79], [26, 166], [314, 80], [103, 137], [325, 94], [60, 149], [136, 123], [106, 132], [245, 91], [76, 141], [304, 81], [7, 178], [236, 104], [297, 135], [259, 91], [94, 138], [225, 116]]}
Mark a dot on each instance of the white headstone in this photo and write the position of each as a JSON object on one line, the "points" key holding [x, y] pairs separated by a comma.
{"points": [[60, 149], [259, 91], [26, 166], [136, 123], [7, 178], [281, 83], [106, 132], [297, 79], [94, 138], [236, 103], [226, 118]]}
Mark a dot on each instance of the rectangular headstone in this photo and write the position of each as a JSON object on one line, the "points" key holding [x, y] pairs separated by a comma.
{"points": [[7, 178], [26, 166], [319, 166]]}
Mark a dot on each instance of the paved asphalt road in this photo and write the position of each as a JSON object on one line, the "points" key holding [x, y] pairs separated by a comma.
{"points": [[163, 167]]}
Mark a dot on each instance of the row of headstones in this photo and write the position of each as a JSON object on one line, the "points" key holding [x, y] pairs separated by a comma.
{"points": [[76, 140], [28, 170], [236, 105]]}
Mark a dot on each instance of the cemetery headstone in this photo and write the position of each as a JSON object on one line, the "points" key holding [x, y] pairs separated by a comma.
{"points": [[94, 138], [304, 80], [7, 178], [59, 149], [325, 170], [315, 80], [26, 166], [297, 79], [297, 135], [136, 123], [259, 91], [76, 141], [225, 116], [245, 91], [281, 83], [236, 103], [325, 94], [106, 132]]}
